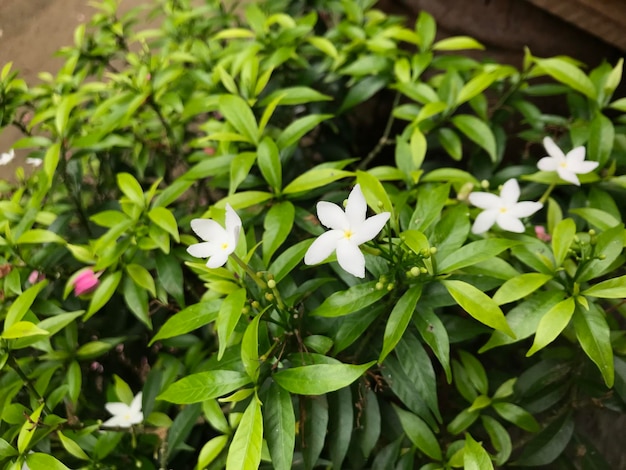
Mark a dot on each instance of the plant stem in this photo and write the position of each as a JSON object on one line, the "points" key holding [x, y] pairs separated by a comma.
{"points": [[546, 195], [249, 271], [27, 382], [383, 139]]}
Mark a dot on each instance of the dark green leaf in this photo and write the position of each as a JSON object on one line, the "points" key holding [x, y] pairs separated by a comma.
{"points": [[189, 319], [280, 427], [594, 335], [315, 427], [399, 319], [341, 424], [349, 301], [549, 443], [419, 433], [319, 379]]}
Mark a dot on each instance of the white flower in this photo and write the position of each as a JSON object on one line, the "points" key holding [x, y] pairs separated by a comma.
{"points": [[218, 242], [348, 230], [503, 210], [566, 166], [5, 158], [124, 416], [34, 161]]}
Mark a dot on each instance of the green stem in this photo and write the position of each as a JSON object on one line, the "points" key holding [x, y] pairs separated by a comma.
{"points": [[249, 271], [27, 382], [546, 195], [384, 138]]}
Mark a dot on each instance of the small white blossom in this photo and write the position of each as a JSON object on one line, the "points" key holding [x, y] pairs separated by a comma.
{"points": [[348, 230], [124, 416], [34, 161], [5, 158], [219, 242], [503, 210], [567, 165]]}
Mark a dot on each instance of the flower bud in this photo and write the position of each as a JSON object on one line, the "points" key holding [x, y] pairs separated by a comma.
{"points": [[379, 286], [269, 296], [415, 271], [271, 283]]}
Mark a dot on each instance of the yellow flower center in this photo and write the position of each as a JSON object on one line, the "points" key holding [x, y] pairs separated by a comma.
{"points": [[224, 246], [503, 210], [563, 164], [348, 234]]}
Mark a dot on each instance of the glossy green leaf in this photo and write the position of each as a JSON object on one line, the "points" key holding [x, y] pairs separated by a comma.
{"points": [[22, 329], [475, 372], [203, 386], [280, 426], [22, 304], [374, 192], [610, 289], [39, 461], [475, 457], [277, 227], [478, 132], [462, 421], [479, 305], [165, 219], [363, 90], [601, 139], [562, 238], [188, 319], [341, 424], [103, 293], [500, 439], [419, 433], [299, 128], [434, 334], [568, 74], [318, 379], [268, 160], [131, 189], [426, 28], [170, 276], [39, 236], [594, 335], [250, 349], [519, 287], [315, 425], [240, 169], [72, 447], [228, 316], [474, 253], [546, 446], [211, 450], [136, 299], [456, 43], [369, 432], [517, 415], [475, 86], [596, 217], [142, 277], [289, 259], [28, 430], [345, 302], [430, 202], [315, 178], [237, 112], [399, 320], [552, 323], [244, 452], [451, 142], [610, 244]]}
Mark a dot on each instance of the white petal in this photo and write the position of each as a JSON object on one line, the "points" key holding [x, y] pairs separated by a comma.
{"points": [[567, 175], [548, 164], [485, 200], [322, 247], [218, 259], [208, 229], [116, 422], [524, 209], [485, 220], [233, 222], [575, 156], [356, 208], [203, 250], [553, 149], [510, 192], [350, 258], [511, 224], [332, 216], [367, 230], [117, 408], [583, 168], [34, 161], [135, 405]]}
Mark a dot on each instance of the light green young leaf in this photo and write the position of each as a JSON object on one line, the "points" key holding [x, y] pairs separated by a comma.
{"points": [[475, 86], [239, 170], [456, 43], [551, 324], [244, 452], [20, 306], [345, 302], [72, 447], [318, 379], [568, 74], [474, 253], [268, 160], [131, 189], [142, 277], [228, 316], [315, 178], [22, 329], [594, 335], [39, 461], [419, 433], [280, 425], [277, 227], [299, 128], [562, 238], [519, 287], [399, 320], [374, 192], [610, 289], [28, 429], [237, 112], [39, 236], [196, 388], [475, 457], [250, 349], [211, 450], [479, 305], [478, 132], [103, 293], [426, 28], [517, 415]]}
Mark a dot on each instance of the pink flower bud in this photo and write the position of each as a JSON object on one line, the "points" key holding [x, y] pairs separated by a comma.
{"points": [[541, 233], [85, 282], [35, 277]]}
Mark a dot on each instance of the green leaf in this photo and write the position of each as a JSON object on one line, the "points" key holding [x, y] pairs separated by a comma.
{"points": [[426, 28], [479, 305], [56, 323], [131, 189], [596, 217], [475, 457], [324, 45], [519, 287], [500, 439], [244, 199], [22, 304], [351, 300], [474, 253], [478, 132], [250, 349], [569, 75], [38, 461], [170, 276], [103, 293], [211, 450], [362, 91], [419, 433], [315, 178], [562, 238], [299, 128], [51, 161], [237, 112], [75, 381], [374, 192], [610, 244], [369, 431], [165, 219], [341, 424], [136, 299], [289, 259], [240, 169], [434, 334], [28, 429], [601, 139], [430, 202], [399, 320], [315, 425], [142, 277], [268, 160], [318, 379], [610, 289], [39, 236], [277, 227], [72, 447], [295, 95], [546, 446], [475, 372], [228, 316], [244, 452], [22, 329], [451, 142], [280, 426], [594, 335], [188, 319], [517, 415], [456, 43], [203, 386], [552, 323], [475, 86]]}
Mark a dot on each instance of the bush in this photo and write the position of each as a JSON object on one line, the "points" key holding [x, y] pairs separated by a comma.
{"points": [[477, 329]]}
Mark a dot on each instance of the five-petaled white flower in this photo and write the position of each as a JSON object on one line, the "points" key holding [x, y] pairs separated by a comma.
{"points": [[348, 230], [219, 242], [567, 165], [5, 158], [503, 210], [124, 416], [34, 161]]}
